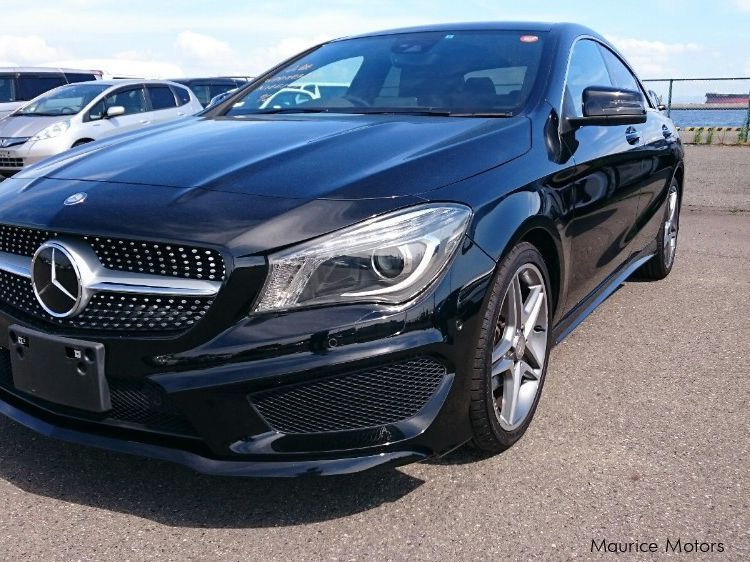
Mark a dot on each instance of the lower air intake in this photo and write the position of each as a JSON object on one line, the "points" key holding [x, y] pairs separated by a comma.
{"points": [[362, 399]]}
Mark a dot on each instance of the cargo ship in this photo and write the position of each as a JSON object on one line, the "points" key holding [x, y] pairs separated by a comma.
{"points": [[734, 99]]}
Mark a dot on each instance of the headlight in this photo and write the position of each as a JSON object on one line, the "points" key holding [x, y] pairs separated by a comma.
{"points": [[389, 259], [54, 130]]}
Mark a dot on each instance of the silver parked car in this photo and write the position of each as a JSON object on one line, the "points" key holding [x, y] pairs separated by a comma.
{"points": [[21, 84], [75, 114]]}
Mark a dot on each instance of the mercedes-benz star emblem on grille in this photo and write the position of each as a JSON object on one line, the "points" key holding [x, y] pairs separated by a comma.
{"points": [[56, 278], [76, 198]]}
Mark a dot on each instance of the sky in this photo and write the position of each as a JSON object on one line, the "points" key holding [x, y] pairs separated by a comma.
{"points": [[154, 38]]}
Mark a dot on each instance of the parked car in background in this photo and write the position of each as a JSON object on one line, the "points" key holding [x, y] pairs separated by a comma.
{"points": [[207, 88], [76, 114], [19, 85], [221, 97]]}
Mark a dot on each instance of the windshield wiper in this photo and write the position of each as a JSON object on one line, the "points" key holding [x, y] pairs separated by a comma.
{"points": [[290, 110], [435, 111], [35, 114]]}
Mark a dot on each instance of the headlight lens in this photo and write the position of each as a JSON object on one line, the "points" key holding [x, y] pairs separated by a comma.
{"points": [[389, 259], [54, 130]]}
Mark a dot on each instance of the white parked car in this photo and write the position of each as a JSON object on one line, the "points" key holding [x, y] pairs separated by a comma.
{"points": [[75, 114], [19, 85]]}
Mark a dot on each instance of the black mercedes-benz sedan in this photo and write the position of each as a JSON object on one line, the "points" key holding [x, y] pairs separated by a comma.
{"points": [[370, 274]]}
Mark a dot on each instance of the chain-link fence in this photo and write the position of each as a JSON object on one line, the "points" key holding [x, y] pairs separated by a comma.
{"points": [[708, 105]]}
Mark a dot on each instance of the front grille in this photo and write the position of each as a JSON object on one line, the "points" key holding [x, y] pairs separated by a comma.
{"points": [[22, 241], [140, 404], [7, 142], [363, 399], [121, 254], [118, 311], [11, 162], [158, 259], [111, 311]]}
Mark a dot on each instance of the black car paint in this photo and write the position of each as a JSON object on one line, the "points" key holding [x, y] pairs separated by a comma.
{"points": [[589, 199]]}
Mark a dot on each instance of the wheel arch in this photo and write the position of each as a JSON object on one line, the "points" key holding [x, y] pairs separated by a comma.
{"points": [[501, 234]]}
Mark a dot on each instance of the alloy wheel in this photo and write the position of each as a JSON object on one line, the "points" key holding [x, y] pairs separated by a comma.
{"points": [[520, 347], [671, 227]]}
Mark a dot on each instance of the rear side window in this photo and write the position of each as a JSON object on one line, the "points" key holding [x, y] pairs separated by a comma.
{"points": [[74, 77], [586, 69], [31, 85], [182, 95], [161, 97], [132, 99]]}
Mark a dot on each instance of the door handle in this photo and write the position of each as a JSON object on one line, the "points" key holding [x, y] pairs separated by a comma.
{"points": [[145, 121], [181, 113], [632, 135], [666, 132]]}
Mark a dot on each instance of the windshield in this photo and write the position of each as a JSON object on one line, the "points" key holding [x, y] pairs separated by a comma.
{"points": [[66, 100], [446, 73]]}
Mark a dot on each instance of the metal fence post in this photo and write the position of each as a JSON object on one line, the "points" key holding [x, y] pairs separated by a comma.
{"points": [[744, 131], [669, 99]]}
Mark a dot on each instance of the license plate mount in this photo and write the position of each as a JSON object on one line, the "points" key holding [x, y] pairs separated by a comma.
{"points": [[65, 371]]}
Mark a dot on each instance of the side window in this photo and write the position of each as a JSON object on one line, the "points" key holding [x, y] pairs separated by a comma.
{"points": [[133, 100], [32, 85], [182, 95], [621, 76], [586, 69], [74, 77], [98, 110], [161, 97]]}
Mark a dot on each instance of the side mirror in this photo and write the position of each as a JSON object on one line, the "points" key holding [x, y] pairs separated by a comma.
{"points": [[657, 100], [604, 105], [115, 111]]}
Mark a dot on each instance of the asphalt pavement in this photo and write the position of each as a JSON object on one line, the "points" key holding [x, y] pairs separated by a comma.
{"points": [[641, 435]]}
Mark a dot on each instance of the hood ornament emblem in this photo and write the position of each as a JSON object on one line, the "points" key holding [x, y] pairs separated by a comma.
{"points": [[76, 198]]}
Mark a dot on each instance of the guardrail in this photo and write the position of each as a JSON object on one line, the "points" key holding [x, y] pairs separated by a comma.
{"points": [[707, 103]]}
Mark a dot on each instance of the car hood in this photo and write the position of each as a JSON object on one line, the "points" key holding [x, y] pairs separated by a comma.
{"points": [[20, 126], [244, 224], [299, 157]]}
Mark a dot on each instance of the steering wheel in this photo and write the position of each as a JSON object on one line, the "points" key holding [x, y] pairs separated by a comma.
{"points": [[356, 100], [67, 111]]}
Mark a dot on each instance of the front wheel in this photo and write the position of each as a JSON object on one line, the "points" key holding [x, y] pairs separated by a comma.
{"points": [[510, 360]]}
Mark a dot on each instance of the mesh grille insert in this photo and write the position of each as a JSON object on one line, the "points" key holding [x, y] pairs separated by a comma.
{"points": [[112, 311], [173, 260], [358, 400]]}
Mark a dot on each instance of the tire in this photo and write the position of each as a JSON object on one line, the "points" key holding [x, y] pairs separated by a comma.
{"points": [[661, 264], [496, 422]]}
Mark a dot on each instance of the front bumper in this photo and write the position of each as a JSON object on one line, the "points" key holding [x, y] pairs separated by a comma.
{"points": [[234, 391], [13, 159]]}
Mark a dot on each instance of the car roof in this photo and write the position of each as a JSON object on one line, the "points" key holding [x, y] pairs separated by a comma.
{"points": [[224, 79], [45, 69], [486, 26], [124, 82]]}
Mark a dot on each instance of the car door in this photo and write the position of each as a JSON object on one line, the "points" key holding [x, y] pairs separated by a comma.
{"points": [[132, 99], [608, 177]]}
